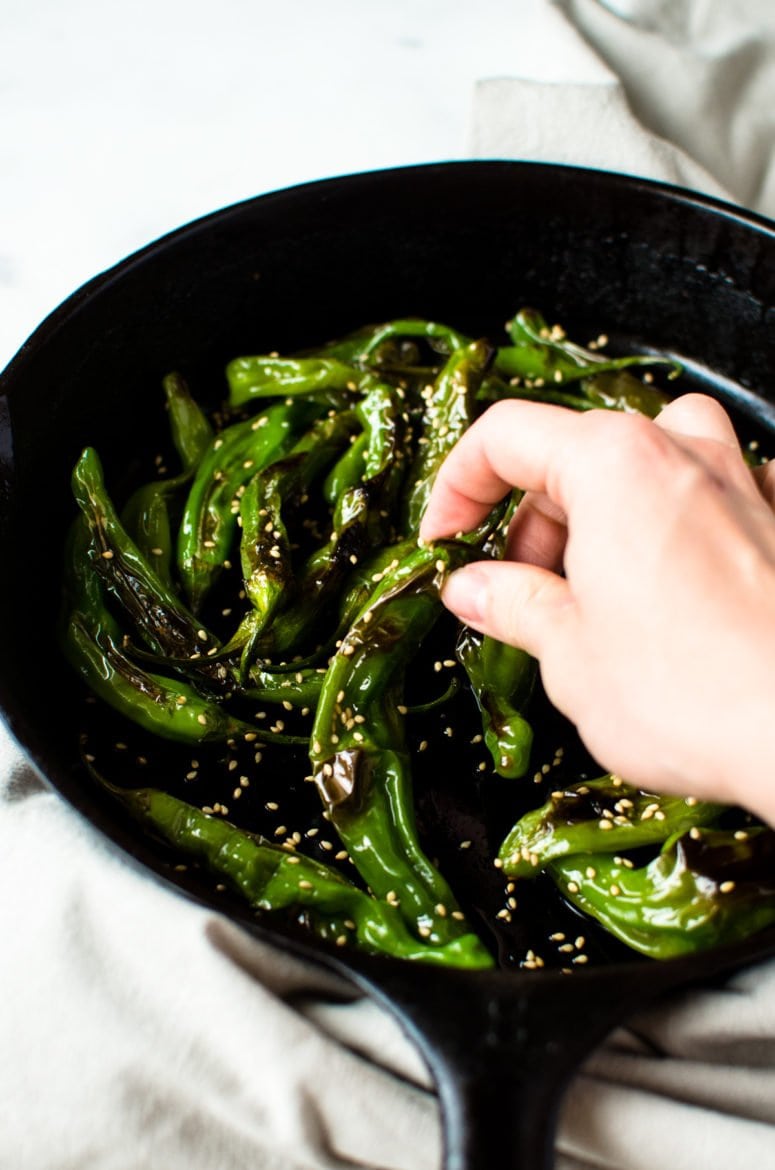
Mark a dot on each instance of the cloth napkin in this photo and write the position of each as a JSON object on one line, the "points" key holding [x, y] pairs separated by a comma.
{"points": [[141, 1032]]}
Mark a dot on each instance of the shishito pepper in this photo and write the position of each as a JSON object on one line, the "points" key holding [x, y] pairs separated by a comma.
{"points": [[163, 621], [359, 758], [361, 519], [502, 679], [602, 815], [704, 889], [282, 377], [449, 411], [273, 879], [539, 353], [93, 643], [209, 519], [265, 548], [146, 514]]}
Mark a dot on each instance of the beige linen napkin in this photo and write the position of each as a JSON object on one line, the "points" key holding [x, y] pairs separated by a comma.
{"points": [[141, 1032]]}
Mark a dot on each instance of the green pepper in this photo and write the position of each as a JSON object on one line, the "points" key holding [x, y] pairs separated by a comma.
{"points": [[502, 679], [449, 411], [210, 515], [93, 643], [347, 471], [162, 620], [265, 549], [272, 879], [363, 347], [704, 889], [146, 515], [358, 756], [602, 815], [281, 377], [541, 354]]}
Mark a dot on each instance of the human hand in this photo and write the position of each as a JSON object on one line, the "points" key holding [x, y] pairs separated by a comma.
{"points": [[658, 641]]}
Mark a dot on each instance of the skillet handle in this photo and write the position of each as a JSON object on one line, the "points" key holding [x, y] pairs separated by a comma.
{"points": [[502, 1049]]}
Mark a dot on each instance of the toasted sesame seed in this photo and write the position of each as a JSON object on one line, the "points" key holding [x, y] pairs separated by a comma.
{"points": [[201, 719], [580, 959], [727, 887], [573, 888]]}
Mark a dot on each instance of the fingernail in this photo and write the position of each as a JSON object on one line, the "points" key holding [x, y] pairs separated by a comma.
{"points": [[466, 595]]}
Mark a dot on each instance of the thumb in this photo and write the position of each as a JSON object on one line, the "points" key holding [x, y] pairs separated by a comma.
{"points": [[520, 604]]}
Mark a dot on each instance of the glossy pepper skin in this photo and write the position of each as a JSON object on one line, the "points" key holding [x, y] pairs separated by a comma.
{"points": [[540, 353], [449, 411], [93, 643], [502, 679], [365, 347], [162, 620], [273, 879], [599, 816], [209, 520], [703, 890], [361, 519], [358, 756], [146, 514], [265, 547], [278, 377]]}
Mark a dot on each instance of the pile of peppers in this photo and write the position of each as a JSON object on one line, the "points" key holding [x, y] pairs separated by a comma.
{"points": [[313, 482]]}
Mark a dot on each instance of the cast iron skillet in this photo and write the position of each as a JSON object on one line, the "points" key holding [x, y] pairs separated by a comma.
{"points": [[467, 243]]}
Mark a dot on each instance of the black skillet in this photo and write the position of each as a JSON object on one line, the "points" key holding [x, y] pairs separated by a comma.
{"points": [[466, 243]]}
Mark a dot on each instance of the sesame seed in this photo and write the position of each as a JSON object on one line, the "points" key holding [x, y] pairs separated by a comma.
{"points": [[727, 887], [201, 719]]}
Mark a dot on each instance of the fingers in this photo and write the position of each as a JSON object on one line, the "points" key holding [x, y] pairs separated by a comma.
{"points": [[522, 605], [545, 449], [537, 533], [510, 445], [698, 416]]}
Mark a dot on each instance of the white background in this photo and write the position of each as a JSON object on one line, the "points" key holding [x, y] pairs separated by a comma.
{"points": [[119, 122]]}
